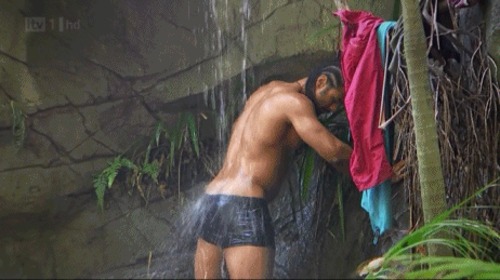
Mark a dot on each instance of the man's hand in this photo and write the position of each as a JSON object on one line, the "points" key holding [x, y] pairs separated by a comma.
{"points": [[398, 171]]}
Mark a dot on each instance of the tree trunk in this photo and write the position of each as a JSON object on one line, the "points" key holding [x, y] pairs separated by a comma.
{"points": [[432, 189]]}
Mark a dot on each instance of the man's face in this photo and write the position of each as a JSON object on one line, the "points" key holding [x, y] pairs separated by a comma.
{"points": [[329, 99]]}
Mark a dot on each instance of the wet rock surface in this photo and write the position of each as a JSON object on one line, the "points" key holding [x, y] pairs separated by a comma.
{"points": [[131, 240], [89, 93]]}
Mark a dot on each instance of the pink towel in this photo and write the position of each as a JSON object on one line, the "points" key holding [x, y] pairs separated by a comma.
{"points": [[363, 80]]}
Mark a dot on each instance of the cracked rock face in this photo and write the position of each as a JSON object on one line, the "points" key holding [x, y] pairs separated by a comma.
{"points": [[100, 74], [96, 79]]}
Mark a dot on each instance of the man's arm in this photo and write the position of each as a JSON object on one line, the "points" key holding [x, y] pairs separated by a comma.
{"points": [[303, 119]]}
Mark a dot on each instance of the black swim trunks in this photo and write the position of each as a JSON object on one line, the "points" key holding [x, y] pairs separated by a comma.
{"points": [[230, 220]]}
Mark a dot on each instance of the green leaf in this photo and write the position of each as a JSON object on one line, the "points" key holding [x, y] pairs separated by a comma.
{"points": [[152, 170], [178, 133], [171, 154], [340, 200], [125, 162], [191, 122], [306, 171], [108, 175], [473, 258], [100, 188], [158, 132], [155, 139]]}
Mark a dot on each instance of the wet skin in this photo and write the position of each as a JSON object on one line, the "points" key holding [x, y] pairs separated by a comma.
{"points": [[275, 120]]}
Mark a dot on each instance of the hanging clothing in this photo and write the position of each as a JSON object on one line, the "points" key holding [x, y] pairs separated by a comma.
{"points": [[361, 63], [377, 200], [363, 78]]}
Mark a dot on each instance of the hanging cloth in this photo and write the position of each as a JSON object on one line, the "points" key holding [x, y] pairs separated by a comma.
{"points": [[363, 73], [377, 200], [363, 78]]}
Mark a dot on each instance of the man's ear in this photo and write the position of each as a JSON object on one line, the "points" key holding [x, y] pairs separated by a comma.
{"points": [[321, 81]]}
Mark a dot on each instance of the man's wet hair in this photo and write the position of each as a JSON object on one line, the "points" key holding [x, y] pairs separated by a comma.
{"points": [[333, 76]]}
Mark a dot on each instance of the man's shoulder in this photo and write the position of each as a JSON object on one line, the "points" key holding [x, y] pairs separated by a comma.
{"points": [[295, 98], [283, 95]]}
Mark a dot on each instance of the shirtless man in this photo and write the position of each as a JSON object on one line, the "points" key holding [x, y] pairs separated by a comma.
{"points": [[276, 118]]}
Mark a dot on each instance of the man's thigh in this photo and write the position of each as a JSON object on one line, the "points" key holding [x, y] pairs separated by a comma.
{"points": [[249, 262], [207, 260]]}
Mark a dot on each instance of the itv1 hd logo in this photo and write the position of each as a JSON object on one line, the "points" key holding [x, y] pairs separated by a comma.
{"points": [[42, 24]]}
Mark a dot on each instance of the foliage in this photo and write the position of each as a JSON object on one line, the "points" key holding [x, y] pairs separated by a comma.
{"points": [[306, 171], [427, 267], [106, 178], [164, 147], [407, 259], [465, 99], [309, 166], [308, 155], [184, 128]]}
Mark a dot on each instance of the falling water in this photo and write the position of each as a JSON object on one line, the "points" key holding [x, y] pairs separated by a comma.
{"points": [[245, 16], [225, 103], [221, 99], [217, 48]]}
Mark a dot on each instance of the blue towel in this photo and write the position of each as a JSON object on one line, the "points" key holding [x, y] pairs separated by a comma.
{"points": [[377, 200]]}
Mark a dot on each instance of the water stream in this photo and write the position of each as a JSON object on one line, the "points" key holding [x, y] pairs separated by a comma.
{"points": [[226, 97], [245, 16]]}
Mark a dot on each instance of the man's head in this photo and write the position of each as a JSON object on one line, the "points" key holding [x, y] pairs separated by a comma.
{"points": [[325, 88]]}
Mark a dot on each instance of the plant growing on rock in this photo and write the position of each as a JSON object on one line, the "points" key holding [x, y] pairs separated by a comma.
{"points": [[164, 147]]}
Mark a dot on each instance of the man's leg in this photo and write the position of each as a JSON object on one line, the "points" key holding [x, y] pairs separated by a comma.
{"points": [[249, 262], [207, 260]]}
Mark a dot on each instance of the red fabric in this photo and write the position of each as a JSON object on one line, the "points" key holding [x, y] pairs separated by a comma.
{"points": [[363, 79]]}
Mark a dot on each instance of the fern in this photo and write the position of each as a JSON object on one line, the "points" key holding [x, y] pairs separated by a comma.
{"points": [[152, 169], [100, 188], [184, 130], [106, 178]]}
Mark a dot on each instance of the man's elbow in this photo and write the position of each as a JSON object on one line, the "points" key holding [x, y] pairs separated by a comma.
{"points": [[341, 165]]}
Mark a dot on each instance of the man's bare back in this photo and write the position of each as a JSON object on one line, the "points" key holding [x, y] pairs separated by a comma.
{"points": [[261, 140], [237, 225]]}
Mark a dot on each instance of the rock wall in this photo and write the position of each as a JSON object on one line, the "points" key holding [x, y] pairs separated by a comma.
{"points": [[92, 77], [89, 79]]}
